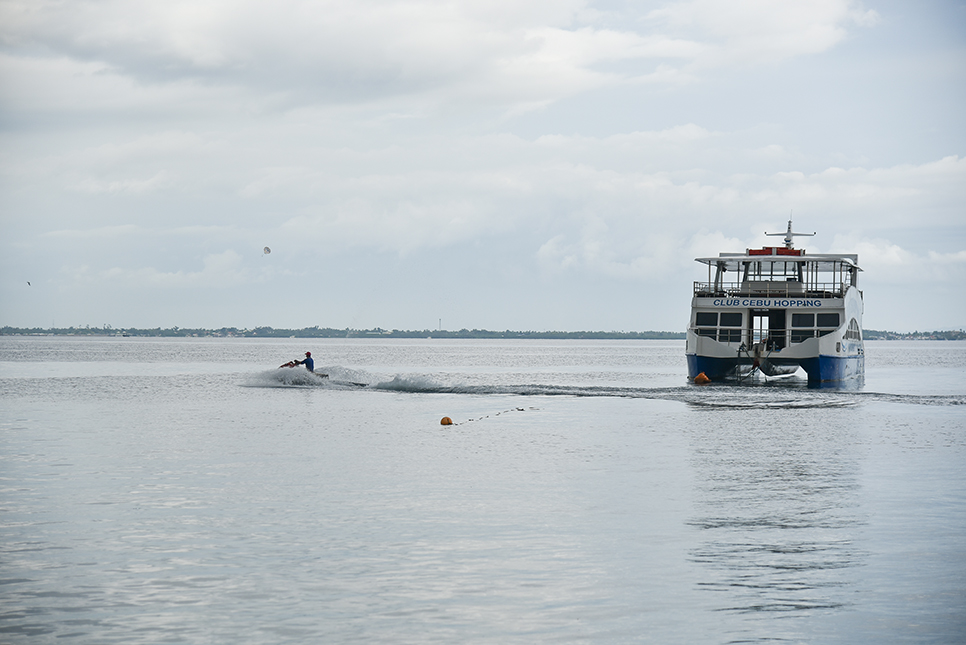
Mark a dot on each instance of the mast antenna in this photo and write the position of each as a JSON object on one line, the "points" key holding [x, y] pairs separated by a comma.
{"points": [[789, 235]]}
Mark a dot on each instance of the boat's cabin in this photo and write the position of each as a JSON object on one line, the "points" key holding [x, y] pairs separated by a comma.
{"points": [[777, 328], [775, 296], [778, 272]]}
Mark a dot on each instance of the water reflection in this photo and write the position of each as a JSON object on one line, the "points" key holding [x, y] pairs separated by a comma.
{"points": [[776, 506]]}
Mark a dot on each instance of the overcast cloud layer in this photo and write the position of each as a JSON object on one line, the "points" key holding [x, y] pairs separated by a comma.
{"points": [[532, 164]]}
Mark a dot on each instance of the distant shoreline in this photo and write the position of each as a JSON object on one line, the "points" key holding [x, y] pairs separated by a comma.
{"points": [[328, 332]]}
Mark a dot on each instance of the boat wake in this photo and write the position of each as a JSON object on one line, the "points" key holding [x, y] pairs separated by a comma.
{"points": [[324, 377], [774, 394]]}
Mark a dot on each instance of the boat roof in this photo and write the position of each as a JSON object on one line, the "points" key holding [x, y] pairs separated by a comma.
{"points": [[782, 254]]}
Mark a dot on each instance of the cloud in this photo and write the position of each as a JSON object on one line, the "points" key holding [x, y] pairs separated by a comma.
{"points": [[329, 51], [595, 202], [888, 194], [704, 244], [886, 262], [220, 270], [761, 31], [680, 134], [49, 84], [597, 253], [130, 232], [472, 52], [149, 184], [403, 214], [104, 232]]}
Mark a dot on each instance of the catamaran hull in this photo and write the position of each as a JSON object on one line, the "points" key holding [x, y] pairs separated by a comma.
{"points": [[716, 369], [825, 369], [820, 369]]}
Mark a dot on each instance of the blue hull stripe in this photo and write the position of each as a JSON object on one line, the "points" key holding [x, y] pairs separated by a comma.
{"points": [[819, 369], [715, 369]]}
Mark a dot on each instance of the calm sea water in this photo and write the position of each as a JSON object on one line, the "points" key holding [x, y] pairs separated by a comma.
{"points": [[187, 491]]}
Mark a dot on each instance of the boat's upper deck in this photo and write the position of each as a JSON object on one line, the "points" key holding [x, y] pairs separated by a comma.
{"points": [[778, 272]]}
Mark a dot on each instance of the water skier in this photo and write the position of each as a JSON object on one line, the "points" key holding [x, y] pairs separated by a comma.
{"points": [[308, 362]]}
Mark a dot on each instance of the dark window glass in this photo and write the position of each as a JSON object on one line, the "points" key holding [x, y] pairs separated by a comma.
{"points": [[732, 319], [799, 336], [828, 320], [706, 319], [803, 320], [825, 332], [729, 335], [707, 332]]}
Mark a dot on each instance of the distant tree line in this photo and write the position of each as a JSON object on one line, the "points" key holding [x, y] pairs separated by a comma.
{"points": [[377, 332], [873, 334], [328, 332]]}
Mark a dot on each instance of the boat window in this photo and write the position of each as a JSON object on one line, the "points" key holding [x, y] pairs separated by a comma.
{"points": [[731, 319], [707, 332], [804, 320], [706, 319], [800, 335], [853, 332], [729, 335], [828, 320]]}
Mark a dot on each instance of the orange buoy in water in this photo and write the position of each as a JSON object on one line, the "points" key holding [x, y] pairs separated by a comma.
{"points": [[446, 421], [702, 379]]}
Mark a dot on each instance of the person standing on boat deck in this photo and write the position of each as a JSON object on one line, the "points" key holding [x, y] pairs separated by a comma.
{"points": [[308, 362]]}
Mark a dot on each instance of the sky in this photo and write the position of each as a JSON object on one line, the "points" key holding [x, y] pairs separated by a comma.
{"points": [[492, 164]]}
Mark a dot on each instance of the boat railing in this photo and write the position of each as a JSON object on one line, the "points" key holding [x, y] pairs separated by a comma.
{"points": [[773, 288]]}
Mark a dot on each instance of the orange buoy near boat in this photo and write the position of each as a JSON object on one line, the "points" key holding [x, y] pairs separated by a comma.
{"points": [[445, 421], [702, 379]]}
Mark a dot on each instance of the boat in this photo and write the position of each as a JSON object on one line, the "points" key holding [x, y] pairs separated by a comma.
{"points": [[774, 310]]}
